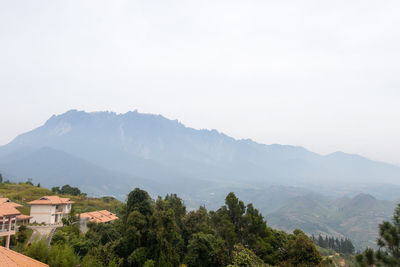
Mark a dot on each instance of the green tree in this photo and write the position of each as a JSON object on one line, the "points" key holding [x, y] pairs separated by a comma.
{"points": [[301, 251], [235, 209], [105, 254], [38, 250], [1, 178], [389, 240], [62, 256], [138, 257], [223, 227], [195, 222], [164, 241], [253, 227], [176, 204], [367, 259], [149, 263], [245, 257], [206, 250], [139, 200], [135, 234], [91, 261], [69, 190], [59, 238]]}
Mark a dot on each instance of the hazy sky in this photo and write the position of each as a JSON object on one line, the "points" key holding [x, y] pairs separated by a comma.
{"points": [[321, 74]]}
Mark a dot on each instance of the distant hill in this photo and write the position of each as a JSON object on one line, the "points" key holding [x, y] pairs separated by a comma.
{"points": [[356, 218], [109, 153]]}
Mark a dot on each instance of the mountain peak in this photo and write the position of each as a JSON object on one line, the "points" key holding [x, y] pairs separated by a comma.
{"points": [[114, 141]]}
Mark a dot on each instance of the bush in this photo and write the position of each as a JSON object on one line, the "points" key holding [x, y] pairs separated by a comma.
{"points": [[91, 261], [58, 238], [38, 250], [149, 263], [62, 256], [21, 237]]}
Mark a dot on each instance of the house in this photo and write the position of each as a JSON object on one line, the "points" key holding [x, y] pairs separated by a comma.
{"points": [[8, 221], [22, 218], [50, 209], [99, 216], [11, 258]]}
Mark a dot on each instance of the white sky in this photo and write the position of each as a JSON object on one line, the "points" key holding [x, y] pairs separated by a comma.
{"points": [[321, 74]]}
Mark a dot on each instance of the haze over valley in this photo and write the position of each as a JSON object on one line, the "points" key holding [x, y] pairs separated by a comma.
{"points": [[105, 153]]}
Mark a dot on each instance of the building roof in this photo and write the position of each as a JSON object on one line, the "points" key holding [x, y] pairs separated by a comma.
{"points": [[23, 217], [99, 216], [4, 200], [10, 258], [51, 200], [7, 210]]}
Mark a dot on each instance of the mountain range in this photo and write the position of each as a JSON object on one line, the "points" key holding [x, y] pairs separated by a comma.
{"points": [[105, 153]]}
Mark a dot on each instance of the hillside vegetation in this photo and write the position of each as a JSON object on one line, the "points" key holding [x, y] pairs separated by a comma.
{"points": [[24, 192]]}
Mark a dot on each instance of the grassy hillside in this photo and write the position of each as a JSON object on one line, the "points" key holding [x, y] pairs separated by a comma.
{"points": [[22, 193]]}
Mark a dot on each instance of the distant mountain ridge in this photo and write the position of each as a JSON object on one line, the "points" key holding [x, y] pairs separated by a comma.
{"points": [[120, 151]]}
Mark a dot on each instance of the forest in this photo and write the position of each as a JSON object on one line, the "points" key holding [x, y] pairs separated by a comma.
{"points": [[162, 232], [339, 245]]}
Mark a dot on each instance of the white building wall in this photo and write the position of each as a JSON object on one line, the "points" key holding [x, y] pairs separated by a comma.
{"points": [[43, 214], [68, 208], [47, 213]]}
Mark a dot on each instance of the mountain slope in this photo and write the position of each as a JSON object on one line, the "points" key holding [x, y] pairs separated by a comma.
{"points": [[356, 218], [56, 167], [165, 156]]}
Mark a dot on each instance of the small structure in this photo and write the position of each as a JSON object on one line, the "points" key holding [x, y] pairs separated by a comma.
{"points": [[11, 258], [50, 209], [99, 216]]}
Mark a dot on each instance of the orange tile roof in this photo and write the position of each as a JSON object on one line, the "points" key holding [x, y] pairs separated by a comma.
{"points": [[9, 258], [51, 200], [99, 216], [8, 210], [4, 200]]}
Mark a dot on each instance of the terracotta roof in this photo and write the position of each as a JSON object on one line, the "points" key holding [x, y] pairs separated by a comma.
{"points": [[4, 200], [99, 216], [23, 217], [51, 200], [10, 258], [6, 209]]}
